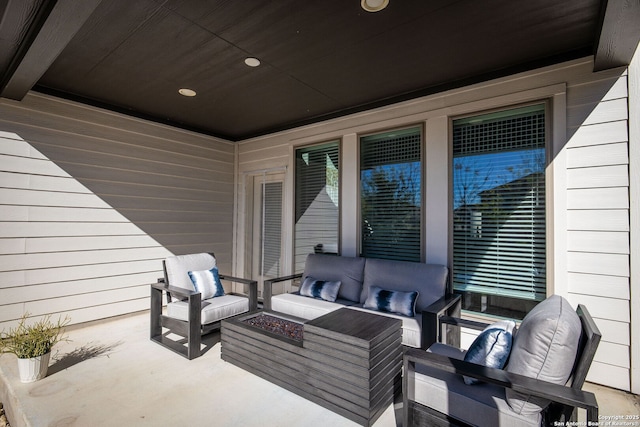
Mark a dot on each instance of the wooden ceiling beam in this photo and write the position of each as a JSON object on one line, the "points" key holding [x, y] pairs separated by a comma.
{"points": [[64, 21], [619, 34]]}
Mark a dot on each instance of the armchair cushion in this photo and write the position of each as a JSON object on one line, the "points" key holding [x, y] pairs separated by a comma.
{"points": [[178, 267], [448, 394], [213, 309], [545, 348], [491, 348], [326, 290], [207, 282], [403, 303]]}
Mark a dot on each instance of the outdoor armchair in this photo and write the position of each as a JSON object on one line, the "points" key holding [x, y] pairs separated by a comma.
{"points": [[532, 390], [196, 301]]}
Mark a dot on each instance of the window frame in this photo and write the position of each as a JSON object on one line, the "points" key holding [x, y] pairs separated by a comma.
{"points": [[294, 177], [550, 184], [423, 196]]}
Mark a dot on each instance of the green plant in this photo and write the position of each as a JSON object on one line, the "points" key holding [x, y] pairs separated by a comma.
{"points": [[33, 340]]}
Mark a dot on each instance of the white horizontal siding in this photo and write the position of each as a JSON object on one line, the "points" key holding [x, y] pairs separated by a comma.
{"points": [[598, 225], [610, 375], [63, 250], [598, 177], [17, 278], [598, 155], [598, 241], [599, 285], [59, 214], [598, 198], [91, 201], [598, 220], [175, 185], [600, 133], [75, 287]]}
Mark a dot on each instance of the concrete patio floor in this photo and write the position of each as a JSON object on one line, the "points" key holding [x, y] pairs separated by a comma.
{"points": [[111, 374]]}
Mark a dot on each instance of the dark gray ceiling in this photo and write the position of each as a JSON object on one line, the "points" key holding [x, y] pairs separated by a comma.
{"points": [[319, 59]]}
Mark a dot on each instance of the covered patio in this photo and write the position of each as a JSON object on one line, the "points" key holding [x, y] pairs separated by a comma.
{"points": [[111, 374], [106, 169]]}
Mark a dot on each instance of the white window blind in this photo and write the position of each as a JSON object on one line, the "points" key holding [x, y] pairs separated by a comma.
{"points": [[499, 224], [391, 194], [272, 229], [316, 201]]}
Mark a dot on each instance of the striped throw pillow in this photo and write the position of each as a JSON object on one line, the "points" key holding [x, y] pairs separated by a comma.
{"points": [[207, 282]]}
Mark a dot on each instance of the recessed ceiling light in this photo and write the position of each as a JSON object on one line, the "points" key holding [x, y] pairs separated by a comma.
{"points": [[374, 5], [187, 92], [252, 62]]}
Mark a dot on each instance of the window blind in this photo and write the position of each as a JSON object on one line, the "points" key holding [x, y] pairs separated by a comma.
{"points": [[272, 229], [499, 224], [391, 195], [316, 201]]}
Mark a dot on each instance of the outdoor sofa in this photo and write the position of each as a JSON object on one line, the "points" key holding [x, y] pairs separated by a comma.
{"points": [[416, 293]]}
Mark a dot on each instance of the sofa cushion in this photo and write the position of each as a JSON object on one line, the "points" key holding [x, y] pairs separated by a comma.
{"points": [[545, 347], [213, 309], [207, 282], [347, 270], [491, 348], [429, 280], [398, 302], [322, 289], [305, 307]]}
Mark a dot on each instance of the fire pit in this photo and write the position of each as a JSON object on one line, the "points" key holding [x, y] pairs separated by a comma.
{"points": [[349, 361], [277, 325]]}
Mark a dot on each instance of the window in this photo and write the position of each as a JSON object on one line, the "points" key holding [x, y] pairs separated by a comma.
{"points": [[317, 201], [499, 210], [391, 195]]}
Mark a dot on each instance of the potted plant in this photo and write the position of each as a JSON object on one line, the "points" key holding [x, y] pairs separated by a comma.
{"points": [[32, 343]]}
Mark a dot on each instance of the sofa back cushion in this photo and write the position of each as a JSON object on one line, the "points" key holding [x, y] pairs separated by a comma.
{"points": [[429, 280], [348, 270]]}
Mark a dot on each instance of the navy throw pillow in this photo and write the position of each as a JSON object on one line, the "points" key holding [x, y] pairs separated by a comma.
{"points": [[491, 348], [397, 302]]}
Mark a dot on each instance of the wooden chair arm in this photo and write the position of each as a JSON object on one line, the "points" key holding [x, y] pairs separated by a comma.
{"points": [[267, 291], [253, 289], [554, 392], [174, 290], [180, 292], [463, 323], [236, 279], [448, 305]]}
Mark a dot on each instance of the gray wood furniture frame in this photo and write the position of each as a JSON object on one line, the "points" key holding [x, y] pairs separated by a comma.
{"points": [[564, 399], [192, 329], [348, 361]]}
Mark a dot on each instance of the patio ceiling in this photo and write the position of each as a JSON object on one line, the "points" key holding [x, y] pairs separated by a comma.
{"points": [[318, 59]]}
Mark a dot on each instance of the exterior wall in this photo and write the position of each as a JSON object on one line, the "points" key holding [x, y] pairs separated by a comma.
{"points": [[634, 199], [92, 201], [598, 221], [588, 184]]}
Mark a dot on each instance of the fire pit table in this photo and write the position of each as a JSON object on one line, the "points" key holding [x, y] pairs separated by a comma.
{"points": [[347, 361]]}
